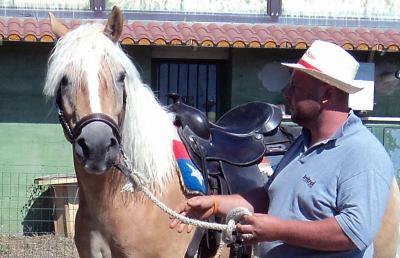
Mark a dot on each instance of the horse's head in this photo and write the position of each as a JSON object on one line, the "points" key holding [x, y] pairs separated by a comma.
{"points": [[88, 80], [103, 103]]}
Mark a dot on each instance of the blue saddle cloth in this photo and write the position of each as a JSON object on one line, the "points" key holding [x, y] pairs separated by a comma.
{"points": [[191, 178]]}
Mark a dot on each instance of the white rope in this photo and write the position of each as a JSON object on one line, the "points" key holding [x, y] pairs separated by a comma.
{"points": [[137, 180]]}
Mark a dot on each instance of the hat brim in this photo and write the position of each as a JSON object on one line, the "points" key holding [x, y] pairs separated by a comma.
{"points": [[344, 86]]}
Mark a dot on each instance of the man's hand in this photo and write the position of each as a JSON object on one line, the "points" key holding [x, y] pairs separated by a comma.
{"points": [[199, 207], [258, 227]]}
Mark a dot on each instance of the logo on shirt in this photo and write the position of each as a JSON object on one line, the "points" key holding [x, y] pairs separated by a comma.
{"points": [[308, 180]]}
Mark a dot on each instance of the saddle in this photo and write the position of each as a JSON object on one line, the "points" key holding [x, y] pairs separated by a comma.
{"points": [[228, 152]]}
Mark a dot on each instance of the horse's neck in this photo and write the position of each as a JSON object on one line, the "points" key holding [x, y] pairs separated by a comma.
{"points": [[99, 188], [104, 192], [132, 222]]}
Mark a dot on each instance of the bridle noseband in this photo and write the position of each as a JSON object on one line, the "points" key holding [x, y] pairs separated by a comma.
{"points": [[72, 133]]}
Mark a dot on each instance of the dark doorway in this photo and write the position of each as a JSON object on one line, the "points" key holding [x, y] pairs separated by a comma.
{"points": [[200, 83]]}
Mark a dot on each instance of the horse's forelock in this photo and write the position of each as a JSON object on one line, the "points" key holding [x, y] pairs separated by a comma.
{"points": [[147, 131]]}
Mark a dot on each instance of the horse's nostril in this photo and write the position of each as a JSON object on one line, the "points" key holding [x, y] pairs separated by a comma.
{"points": [[113, 144], [82, 143]]}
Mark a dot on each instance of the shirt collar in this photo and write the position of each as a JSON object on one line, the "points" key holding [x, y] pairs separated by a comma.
{"points": [[352, 124]]}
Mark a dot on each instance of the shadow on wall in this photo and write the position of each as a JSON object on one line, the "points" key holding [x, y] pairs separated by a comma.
{"points": [[39, 210]]}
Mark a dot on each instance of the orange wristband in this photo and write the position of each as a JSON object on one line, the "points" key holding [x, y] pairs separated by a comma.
{"points": [[215, 206]]}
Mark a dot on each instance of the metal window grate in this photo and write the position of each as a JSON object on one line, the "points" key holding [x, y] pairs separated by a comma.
{"points": [[198, 82]]}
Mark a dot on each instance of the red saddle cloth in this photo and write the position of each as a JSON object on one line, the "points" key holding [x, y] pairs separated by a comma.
{"points": [[191, 178]]}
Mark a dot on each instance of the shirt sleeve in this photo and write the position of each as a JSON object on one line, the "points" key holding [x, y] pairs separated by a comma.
{"points": [[361, 203]]}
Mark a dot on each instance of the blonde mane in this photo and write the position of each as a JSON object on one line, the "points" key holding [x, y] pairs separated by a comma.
{"points": [[147, 131]]}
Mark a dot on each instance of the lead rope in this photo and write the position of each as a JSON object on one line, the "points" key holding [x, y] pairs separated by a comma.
{"points": [[137, 181]]}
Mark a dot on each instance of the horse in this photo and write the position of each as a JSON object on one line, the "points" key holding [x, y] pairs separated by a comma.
{"points": [[104, 105], [387, 241]]}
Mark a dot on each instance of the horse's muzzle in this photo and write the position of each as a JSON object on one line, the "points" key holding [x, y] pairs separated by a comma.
{"points": [[97, 146]]}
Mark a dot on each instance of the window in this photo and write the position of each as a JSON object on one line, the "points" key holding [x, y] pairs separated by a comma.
{"points": [[249, 11], [198, 82], [202, 6], [46, 4], [383, 9]]}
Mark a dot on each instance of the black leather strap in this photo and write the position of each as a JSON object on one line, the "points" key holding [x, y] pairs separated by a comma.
{"points": [[195, 243], [96, 117], [72, 133]]}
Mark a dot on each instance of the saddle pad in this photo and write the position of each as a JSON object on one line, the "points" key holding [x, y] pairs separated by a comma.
{"points": [[265, 167], [192, 179]]}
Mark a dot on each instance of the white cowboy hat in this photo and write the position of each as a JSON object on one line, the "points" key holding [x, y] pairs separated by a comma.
{"points": [[331, 64]]}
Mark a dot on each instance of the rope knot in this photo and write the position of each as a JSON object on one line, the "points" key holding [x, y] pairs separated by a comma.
{"points": [[232, 218]]}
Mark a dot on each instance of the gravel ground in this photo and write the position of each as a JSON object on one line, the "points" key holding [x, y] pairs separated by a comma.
{"points": [[44, 246]]}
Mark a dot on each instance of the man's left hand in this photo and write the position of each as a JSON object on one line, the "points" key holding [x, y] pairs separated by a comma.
{"points": [[258, 227]]}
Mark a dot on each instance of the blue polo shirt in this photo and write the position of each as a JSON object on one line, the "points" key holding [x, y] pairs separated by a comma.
{"points": [[347, 177]]}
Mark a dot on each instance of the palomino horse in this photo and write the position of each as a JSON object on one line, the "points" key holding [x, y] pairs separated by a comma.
{"points": [[388, 240], [104, 104]]}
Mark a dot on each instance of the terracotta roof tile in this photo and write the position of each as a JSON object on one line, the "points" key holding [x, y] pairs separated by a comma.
{"points": [[295, 35], [201, 32], [249, 35], [216, 34]]}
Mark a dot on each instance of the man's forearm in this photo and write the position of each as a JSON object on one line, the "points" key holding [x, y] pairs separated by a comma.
{"points": [[323, 235], [254, 201]]}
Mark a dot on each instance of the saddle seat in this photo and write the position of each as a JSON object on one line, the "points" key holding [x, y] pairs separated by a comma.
{"points": [[236, 138], [251, 117]]}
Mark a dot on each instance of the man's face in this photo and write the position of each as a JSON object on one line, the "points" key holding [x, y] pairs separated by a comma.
{"points": [[303, 95]]}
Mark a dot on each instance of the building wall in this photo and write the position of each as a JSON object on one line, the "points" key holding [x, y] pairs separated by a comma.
{"points": [[258, 75], [141, 58], [32, 143]]}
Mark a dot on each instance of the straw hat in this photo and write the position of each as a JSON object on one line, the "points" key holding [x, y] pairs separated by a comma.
{"points": [[331, 64]]}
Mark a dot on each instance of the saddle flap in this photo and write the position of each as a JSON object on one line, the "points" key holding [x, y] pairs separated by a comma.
{"points": [[242, 179], [234, 149]]}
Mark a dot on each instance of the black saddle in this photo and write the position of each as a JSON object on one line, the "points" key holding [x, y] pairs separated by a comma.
{"points": [[228, 151], [237, 138]]}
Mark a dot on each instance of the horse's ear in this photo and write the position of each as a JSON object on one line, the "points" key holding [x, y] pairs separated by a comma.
{"points": [[114, 25], [57, 27]]}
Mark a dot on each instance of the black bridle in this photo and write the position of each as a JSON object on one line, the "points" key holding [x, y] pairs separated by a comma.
{"points": [[72, 133]]}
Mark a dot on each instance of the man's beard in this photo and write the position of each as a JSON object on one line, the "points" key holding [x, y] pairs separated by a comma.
{"points": [[306, 113]]}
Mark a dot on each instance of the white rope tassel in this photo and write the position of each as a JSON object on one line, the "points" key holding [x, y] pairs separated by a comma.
{"points": [[232, 218]]}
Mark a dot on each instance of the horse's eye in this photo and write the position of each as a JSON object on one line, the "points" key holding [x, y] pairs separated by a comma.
{"points": [[64, 81], [121, 77]]}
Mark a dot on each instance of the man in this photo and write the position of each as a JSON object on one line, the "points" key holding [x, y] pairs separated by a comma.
{"points": [[328, 194]]}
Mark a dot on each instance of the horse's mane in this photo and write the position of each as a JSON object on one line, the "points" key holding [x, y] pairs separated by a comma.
{"points": [[147, 131]]}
